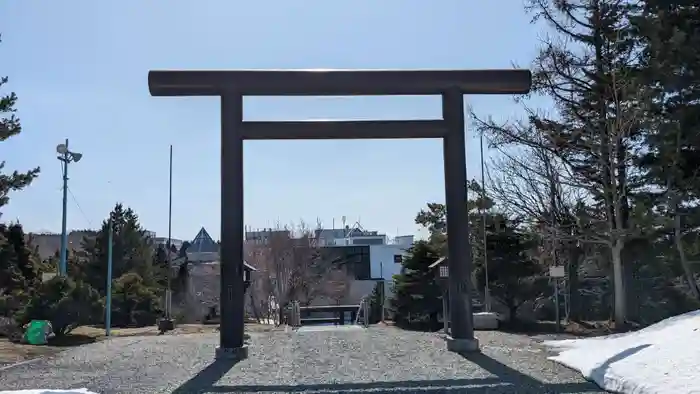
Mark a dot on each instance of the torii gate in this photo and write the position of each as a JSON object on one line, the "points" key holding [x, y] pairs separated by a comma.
{"points": [[231, 86]]}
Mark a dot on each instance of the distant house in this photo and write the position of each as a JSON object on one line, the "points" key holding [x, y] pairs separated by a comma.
{"points": [[204, 287], [49, 244]]}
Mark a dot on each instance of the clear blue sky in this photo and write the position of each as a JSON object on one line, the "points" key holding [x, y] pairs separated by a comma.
{"points": [[80, 71]]}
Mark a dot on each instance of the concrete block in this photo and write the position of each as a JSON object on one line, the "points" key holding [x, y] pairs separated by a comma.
{"points": [[485, 321], [233, 354], [462, 345]]}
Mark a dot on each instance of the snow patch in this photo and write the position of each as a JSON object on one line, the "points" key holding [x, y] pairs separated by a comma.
{"points": [[660, 359], [48, 391]]}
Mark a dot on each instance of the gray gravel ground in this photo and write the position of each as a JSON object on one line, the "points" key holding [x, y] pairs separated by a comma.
{"points": [[377, 360]]}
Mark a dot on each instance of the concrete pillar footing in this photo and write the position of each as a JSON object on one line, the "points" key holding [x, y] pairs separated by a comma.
{"points": [[234, 354], [459, 345]]}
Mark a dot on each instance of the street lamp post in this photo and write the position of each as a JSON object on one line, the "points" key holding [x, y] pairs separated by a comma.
{"points": [[65, 156]]}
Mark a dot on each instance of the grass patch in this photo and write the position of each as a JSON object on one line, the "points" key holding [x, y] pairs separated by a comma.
{"points": [[16, 352]]}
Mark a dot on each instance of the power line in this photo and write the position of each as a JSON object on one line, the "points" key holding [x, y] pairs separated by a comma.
{"points": [[77, 204], [75, 200]]}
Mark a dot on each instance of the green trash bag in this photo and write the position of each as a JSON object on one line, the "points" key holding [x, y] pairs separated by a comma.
{"points": [[38, 332]]}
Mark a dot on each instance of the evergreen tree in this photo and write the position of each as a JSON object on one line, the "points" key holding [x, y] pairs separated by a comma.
{"points": [[9, 127], [417, 295], [134, 303], [669, 32], [132, 252], [66, 303], [20, 268], [183, 249], [434, 219], [514, 276], [19, 265]]}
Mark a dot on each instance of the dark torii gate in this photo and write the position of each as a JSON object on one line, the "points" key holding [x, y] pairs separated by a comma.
{"points": [[231, 86]]}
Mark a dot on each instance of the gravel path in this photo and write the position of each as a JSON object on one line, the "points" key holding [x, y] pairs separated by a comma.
{"points": [[377, 360]]}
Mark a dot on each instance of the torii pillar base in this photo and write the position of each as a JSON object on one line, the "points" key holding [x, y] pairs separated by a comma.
{"points": [[232, 354], [462, 345]]}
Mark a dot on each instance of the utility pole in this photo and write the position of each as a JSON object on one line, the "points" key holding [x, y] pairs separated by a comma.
{"points": [[65, 156], [62, 267]]}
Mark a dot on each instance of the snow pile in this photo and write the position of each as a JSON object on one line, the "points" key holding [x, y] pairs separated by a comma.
{"points": [[660, 359], [47, 391]]}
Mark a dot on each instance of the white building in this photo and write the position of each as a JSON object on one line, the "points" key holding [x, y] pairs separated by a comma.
{"points": [[384, 255], [373, 256]]}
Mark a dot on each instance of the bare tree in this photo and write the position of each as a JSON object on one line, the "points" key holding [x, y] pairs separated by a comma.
{"points": [[528, 185], [544, 176], [337, 285], [585, 66], [292, 268]]}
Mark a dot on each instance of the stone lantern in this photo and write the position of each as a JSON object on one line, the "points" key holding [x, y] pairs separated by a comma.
{"points": [[247, 275], [442, 274]]}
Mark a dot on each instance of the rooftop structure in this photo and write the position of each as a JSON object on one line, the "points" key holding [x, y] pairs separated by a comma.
{"points": [[203, 243]]}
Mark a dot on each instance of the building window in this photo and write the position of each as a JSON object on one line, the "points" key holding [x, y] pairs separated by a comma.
{"points": [[398, 259], [355, 259], [367, 241]]}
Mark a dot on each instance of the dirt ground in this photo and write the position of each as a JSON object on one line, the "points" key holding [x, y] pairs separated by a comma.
{"points": [[16, 352]]}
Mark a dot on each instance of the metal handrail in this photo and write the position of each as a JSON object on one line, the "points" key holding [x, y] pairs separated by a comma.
{"points": [[365, 304], [359, 310], [362, 309]]}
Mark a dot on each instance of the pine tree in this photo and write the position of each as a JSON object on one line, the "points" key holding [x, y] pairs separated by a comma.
{"points": [[20, 268], [417, 295], [669, 32], [514, 276], [9, 127], [131, 252], [434, 219]]}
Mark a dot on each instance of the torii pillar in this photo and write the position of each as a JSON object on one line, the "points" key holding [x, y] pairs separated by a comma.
{"points": [[231, 86]]}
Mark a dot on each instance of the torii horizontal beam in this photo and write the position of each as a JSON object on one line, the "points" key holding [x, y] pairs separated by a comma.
{"points": [[350, 129], [336, 82]]}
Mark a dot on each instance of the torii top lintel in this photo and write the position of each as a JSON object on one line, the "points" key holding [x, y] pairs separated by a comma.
{"points": [[336, 82]]}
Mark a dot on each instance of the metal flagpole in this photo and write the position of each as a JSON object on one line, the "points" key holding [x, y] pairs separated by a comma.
{"points": [[487, 290], [108, 302], [170, 229], [381, 274]]}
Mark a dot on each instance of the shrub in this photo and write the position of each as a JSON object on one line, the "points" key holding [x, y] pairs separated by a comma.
{"points": [[65, 303], [133, 303], [375, 303]]}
